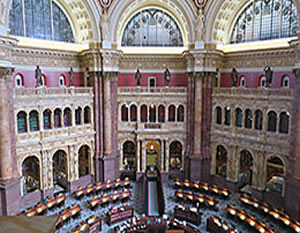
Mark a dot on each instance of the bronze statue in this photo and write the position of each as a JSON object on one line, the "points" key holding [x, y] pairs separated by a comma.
{"points": [[138, 77], [234, 77], [71, 72], [38, 76], [269, 75], [167, 77]]}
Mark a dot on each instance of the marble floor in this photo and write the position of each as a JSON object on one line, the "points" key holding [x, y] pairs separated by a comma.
{"points": [[169, 194]]}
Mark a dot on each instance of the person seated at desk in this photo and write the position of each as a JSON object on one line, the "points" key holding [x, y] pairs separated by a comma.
{"points": [[115, 196]]}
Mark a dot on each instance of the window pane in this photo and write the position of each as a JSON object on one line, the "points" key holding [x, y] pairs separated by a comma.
{"points": [[16, 18]]}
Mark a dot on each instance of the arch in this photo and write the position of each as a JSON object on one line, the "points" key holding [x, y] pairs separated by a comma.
{"points": [[175, 156], [133, 113], [61, 81], [22, 122], [60, 169], [57, 118], [34, 121], [84, 160], [124, 113], [152, 113], [221, 161], [152, 154], [180, 113], [272, 121], [262, 81], [161, 113], [87, 115], [78, 116], [129, 156], [171, 115], [284, 122], [144, 114], [227, 116], [19, 81], [67, 117], [243, 82], [275, 169], [285, 83], [218, 115], [245, 169], [258, 120], [238, 117], [152, 27], [30, 174], [248, 119], [47, 116]]}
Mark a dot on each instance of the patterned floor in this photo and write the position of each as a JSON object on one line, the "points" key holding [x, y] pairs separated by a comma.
{"points": [[137, 202]]}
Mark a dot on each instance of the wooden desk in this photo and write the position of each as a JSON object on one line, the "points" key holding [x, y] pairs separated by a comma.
{"points": [[190, 215], [119, 214], [174, 224], [215, 225]]}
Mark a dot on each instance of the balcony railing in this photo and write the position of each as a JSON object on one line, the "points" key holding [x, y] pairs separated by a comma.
{"points": [[45, 91], [155, 90], [254, 92]]}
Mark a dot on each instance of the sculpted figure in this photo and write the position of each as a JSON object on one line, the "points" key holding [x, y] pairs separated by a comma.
{"points": [[71, 77], [234, 77], [167, 76], [199, 26], [269, 75], [138, 77], [105, 24], [38, 76]]}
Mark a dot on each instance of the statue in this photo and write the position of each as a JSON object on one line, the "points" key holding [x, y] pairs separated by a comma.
{"points": [[167, 77], [199, 26], [87, 77], [269, 75], [138, 77], [38, 77], [105, 24], [3, 11], [234, 77], [71, 72]]}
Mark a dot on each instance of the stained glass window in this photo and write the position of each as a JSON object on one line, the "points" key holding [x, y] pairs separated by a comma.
{"points": [[41, 19], [265, 20], [152, 27]]}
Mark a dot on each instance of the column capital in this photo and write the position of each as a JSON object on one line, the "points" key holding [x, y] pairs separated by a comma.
{"points": [[111, 75], [296, 72], [6, 73], [111, 59]]}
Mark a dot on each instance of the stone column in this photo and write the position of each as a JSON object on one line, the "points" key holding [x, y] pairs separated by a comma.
{"points": [[138, 150], [9, 184]]}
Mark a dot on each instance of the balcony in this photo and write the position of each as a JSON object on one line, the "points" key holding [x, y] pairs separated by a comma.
{"points": [[165, 127], [152, 91]]}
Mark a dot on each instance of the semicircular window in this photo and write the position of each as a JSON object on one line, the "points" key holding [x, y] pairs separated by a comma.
{"points": [[152, 27], [266, 20], [41, 19]]}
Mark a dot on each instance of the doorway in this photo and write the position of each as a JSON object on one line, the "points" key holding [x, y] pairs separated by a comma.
{"points": [[152, 154]]}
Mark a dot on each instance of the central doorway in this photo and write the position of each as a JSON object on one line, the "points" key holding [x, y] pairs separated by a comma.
{"points": [[152, 154]]}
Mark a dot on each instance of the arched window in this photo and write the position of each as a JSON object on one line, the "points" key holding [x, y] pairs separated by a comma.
{"points": [[258, 120], [30, 174], [221, 161], [245, 171], [57, 118], [272, 121], [175, 155], [124, 113], [18, 81], [265, 20], [144, 113], [129, 155], [161, 114], [180, 113], [218, 115], [67, 117], [22, 122], [248, 119], [152, 113], [60, 169], [285, 82], [227, 116], [61, 81], [47, 119], [243, 82], [133, 113], [43, 78], [84, 160], [34, 121], [171, 113], [238, 117], [262, 81], [284, 123], [275, 174], [152, 27], [41, 19], [78, 112], [87, 115]]}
